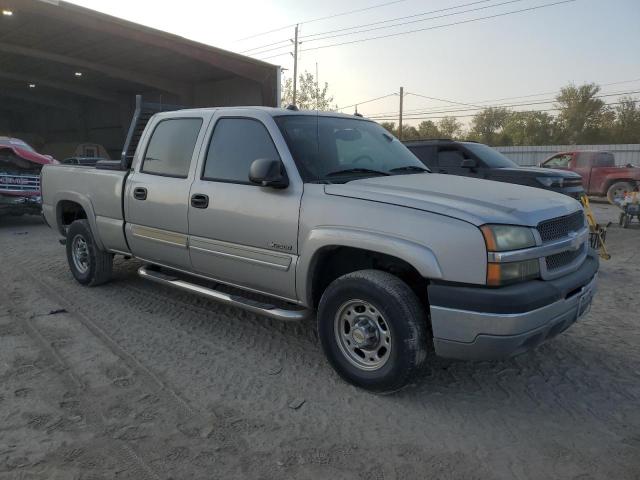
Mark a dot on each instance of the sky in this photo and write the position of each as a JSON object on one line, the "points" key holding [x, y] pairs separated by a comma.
{"points": [[531, 52]]}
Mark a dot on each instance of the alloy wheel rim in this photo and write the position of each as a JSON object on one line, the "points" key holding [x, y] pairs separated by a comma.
{"points": [[80, 254]]}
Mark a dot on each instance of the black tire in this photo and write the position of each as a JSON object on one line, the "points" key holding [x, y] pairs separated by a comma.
{"points": [[99, 263], [399, 308], [616, 188]]}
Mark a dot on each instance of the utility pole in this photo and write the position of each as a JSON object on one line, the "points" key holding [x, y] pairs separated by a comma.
{"points": [[317, 87], [295, 65], [400, 119]]}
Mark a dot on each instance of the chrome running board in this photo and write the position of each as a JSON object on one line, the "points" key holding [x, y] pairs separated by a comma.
{"points": [[258, 308]]}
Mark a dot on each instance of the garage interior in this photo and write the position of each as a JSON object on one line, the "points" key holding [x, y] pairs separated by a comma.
{"points": [[69, 76]]}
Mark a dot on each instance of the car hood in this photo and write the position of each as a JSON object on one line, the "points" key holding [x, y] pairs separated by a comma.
{"points": [[28, 155], [472, 200], [541, 172]]}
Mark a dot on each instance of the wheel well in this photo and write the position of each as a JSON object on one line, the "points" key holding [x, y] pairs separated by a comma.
{"points": [[67, 213], [616, 180], [333, 262]]}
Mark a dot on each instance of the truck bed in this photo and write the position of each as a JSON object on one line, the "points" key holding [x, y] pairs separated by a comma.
{"points": [[100, 194]]}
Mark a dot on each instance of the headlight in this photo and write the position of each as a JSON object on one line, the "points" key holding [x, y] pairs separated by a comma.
{"points": [[551, 181], [500, 238]]}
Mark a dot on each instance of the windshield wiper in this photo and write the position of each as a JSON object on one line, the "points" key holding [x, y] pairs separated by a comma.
{"points": [[347, 171], [409, 169]]}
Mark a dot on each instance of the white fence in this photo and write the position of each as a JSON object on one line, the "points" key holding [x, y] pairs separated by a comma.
{"points": [[532, 155]]}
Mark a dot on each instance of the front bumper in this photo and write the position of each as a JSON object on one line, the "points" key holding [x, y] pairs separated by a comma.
{"points": [[473, 323], [15, 205]]}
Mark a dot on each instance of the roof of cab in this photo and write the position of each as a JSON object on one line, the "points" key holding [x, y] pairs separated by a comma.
{"points": [[272, 111]]}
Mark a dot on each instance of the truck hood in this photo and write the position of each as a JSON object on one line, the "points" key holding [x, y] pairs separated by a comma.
{"points": [[472, 200], [542, 172]]}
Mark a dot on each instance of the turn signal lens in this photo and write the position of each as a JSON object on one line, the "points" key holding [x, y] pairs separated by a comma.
{"points": [[499, 274]]}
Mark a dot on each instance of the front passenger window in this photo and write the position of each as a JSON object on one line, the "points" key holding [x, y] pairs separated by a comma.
{"points": [[450, 158], [235, 144], [559, 161]]}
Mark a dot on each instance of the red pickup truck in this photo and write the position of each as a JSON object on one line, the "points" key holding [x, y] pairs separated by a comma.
{"points": [[600, 175], [20, 167]]}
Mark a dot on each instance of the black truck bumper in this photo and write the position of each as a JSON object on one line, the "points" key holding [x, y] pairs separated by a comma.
{"points": [[475, 323]]}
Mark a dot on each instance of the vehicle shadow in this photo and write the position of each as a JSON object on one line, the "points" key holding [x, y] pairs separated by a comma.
{"points": [[10, 223]]}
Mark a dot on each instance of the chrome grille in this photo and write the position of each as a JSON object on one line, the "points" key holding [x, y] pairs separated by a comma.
{"points": [[563, 259], [19, 183], [560, 227]]}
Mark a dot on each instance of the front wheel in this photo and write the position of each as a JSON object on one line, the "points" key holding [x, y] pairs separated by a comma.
{"points": [[89, 265], [373, 330]]}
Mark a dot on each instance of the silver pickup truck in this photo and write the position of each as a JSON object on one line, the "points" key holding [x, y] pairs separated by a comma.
{"points": [[304, 212]]}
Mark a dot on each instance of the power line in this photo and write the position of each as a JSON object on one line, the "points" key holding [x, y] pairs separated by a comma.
{"points": [[553, 92], [442, 100], [505, 105], [323, 18], [435, 27], [367, 101], [416, 21], [480, 102], [461, 22], [280, 46], [473, 114], [418, 117], [395, 19]]}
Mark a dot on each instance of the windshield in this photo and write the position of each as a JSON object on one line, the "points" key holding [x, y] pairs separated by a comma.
{"points": [[491, 157], [331, 149]]}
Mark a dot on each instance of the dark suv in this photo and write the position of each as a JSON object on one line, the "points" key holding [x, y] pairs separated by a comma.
{"points": [[471, 159]]}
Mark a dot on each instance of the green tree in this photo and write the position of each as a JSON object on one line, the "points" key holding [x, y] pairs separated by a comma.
{"points": [[310, 95], [627, 124], [390, 127], [428, 129], [529, 128], [582, 116], [410, 133], [449, 127], [487, 126]]}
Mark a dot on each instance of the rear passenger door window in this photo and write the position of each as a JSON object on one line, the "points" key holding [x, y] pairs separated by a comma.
{"points": [[235, 144], [171, 146]]}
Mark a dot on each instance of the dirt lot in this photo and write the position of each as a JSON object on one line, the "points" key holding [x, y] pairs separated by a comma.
{"points": [[135, 381]]}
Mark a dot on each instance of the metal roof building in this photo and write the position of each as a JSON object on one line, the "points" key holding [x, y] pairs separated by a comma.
{"points": [[70, 75]]}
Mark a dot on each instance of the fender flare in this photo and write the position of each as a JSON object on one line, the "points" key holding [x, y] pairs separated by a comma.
{"points": [[85, 203], [417, 255]]}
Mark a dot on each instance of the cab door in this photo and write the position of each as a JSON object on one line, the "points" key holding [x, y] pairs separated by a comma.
{"points": [[241, 233], [157, 192]]}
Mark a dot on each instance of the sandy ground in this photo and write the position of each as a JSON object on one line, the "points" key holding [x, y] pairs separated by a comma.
{"points": [[135, 381]]}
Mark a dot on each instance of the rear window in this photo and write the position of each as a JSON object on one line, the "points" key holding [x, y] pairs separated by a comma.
{"points": [[604, 159], [171, 147]]}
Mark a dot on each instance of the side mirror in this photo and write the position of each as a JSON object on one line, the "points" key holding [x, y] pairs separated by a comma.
{"points": [[268, 173], [469, 163]]}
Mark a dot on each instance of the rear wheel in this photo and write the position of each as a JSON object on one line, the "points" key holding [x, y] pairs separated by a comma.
{"points": [[89, 265], [617, 191], [373, 330]]}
